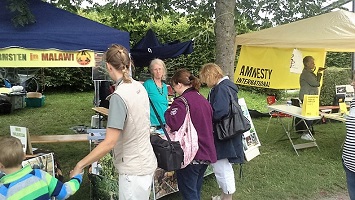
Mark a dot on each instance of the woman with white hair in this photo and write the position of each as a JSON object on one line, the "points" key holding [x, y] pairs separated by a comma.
{"points": [[157, 91]]}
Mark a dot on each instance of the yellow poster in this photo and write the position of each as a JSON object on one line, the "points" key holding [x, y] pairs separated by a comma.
{"points": [[270, 67], [343, 109], [18, 57], [310, 105]]}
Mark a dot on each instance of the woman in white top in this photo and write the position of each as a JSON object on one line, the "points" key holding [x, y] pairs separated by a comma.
{"points": [[127, 132]]}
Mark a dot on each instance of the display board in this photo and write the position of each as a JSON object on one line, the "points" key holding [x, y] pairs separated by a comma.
{"points": [[43, 162], [250, 139], [23, 135], [346, 90]]}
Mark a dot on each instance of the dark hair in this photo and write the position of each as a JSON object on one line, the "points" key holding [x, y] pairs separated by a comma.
{"points": [[118, 56], [306, 59], [184, 77]]}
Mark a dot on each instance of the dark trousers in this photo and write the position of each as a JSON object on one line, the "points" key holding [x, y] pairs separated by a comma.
{"points": [[190, 181], [300, 126], [350, 181]]}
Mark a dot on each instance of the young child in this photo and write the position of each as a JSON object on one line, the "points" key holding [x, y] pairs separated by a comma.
{"points": [[28, 183]]}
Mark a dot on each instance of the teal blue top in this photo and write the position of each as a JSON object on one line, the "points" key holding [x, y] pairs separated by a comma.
{"points": [[159, 97]]}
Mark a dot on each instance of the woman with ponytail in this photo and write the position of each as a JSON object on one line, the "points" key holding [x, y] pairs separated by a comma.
{"points": [[127, 132], [186, 85]]}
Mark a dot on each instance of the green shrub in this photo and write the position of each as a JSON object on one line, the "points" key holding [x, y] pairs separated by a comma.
{"points": [[333, 76]]}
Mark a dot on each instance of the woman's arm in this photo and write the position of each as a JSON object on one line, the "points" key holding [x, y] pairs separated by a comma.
{"points": [[175, 115], [220, 103], [100, 151]]}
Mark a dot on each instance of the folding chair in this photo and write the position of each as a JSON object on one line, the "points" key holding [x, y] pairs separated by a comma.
{"points": [[274, 114]]}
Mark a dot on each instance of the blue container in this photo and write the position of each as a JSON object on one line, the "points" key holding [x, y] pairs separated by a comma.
{"points": [[35, 102]]}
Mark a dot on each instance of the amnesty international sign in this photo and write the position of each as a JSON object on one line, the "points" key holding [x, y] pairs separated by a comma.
{"points": [[274, 68], [18, 57]]}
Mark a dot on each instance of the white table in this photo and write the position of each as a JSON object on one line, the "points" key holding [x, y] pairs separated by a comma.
{"points": [[295, 111]]}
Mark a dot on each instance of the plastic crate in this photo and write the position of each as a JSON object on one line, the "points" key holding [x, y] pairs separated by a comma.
{"points": [[35, 102], [17, 100]]}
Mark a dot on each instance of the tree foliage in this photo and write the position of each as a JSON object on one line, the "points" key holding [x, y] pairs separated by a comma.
{"points": [[189, 19]]}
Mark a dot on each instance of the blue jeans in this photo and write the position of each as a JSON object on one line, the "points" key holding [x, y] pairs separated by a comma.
{"points": [[190, 181], [350, 181]]}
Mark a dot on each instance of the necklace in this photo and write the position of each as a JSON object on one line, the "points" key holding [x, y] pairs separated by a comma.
{"points": [[161, 91]]}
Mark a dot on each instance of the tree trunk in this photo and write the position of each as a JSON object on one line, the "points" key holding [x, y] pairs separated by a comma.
{"points": [[225, 36]]}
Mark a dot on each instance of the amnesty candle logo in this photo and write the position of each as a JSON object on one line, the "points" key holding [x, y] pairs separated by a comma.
{"points": [[83, 57]]}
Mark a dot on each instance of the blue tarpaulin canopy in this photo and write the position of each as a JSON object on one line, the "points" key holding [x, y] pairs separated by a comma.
{"points": [[149, 48], [57, 29]]}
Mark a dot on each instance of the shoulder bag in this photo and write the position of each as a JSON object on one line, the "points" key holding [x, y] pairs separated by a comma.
{"points": [[234, 124], [187, 136], [169, 153]]}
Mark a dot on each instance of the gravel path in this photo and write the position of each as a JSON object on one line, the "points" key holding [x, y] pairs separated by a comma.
{"points": [[338, 196]]}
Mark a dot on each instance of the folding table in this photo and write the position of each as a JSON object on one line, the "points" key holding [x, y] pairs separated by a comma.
{"points": [[295, 111]]}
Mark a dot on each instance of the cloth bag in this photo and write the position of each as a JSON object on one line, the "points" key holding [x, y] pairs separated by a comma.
{"points": [[234, 124], [187, 136], [169, 153]]}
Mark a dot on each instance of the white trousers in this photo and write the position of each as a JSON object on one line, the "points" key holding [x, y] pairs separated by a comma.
{"points": [[223, 170], [134, 187]]}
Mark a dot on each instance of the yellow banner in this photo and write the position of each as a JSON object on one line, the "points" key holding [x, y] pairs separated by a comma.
{"points": [[269, 67], [18, 57]]}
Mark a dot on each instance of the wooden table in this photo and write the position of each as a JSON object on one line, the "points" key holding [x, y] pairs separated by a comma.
{"points": [[322, 108], [101, 110], [295, 111], [334, 116], [58, 138]]}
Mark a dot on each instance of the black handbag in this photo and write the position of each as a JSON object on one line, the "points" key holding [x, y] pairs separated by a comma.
{"points": [[169, 153], [234, 124]]}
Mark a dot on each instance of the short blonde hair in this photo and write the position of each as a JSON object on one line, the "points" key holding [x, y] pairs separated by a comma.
{"points": [[11, 152], [210, 74], [158, 62]]}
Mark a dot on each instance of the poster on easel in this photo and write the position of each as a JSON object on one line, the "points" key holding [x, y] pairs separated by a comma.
{"points": [[250, 139], [43, 162], [346, 90], [165, 183], [23, 135]]}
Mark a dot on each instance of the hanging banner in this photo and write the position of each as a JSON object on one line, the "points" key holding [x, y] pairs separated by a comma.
{"points": [[269, 67], [296, 63], [18, 57]]}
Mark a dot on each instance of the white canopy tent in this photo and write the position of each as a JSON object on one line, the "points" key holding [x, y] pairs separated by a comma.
{"points": [[334, 31]]}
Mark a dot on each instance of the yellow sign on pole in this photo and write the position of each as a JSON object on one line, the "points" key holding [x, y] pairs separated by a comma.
{"points": [[19, 57], [310, 105], [343, 109]]}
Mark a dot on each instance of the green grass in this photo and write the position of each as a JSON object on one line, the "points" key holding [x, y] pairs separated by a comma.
{"points": [[277, 173]]}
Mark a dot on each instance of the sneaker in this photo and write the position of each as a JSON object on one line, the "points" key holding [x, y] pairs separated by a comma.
{"points": [[216, 198], [306, 136]]}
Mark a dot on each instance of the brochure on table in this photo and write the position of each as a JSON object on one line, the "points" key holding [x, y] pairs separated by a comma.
{"points": [[310, 105], [250, 139]]}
